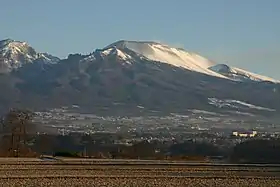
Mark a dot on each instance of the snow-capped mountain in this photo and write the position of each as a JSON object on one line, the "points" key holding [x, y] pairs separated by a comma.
{"points": [[165, 54], [180, 58], [15, 54], [127, 74]]}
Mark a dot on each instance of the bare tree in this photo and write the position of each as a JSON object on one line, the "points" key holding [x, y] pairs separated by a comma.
{"points": [[14, 126]]}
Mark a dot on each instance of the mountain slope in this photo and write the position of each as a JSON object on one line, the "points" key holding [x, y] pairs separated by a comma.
{"points": [[15, 54], [117, 80]]}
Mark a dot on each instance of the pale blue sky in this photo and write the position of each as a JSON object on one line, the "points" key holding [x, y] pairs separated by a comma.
{"points": [[243, 33]]}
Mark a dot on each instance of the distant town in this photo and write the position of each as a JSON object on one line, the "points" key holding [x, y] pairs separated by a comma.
{"points": [[197, 126]]}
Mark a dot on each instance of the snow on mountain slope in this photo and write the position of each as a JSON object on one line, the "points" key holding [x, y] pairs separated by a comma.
{"points": [[165, 54], [239, 74], [14, 54], [229, 103], [119, 53], [180, 58]]}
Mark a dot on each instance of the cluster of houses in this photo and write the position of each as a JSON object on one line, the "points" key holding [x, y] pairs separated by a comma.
{"points": [[247, 134]]}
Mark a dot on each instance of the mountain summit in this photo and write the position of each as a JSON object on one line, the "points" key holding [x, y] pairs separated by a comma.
{"points": [[181, 58], [165, 54], [15, 54]]}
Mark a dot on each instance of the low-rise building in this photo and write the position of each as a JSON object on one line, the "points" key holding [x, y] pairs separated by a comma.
{"points": [[244, 134]]}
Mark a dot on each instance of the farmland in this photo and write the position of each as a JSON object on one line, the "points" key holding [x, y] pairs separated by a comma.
{"points": [[77, 172]]}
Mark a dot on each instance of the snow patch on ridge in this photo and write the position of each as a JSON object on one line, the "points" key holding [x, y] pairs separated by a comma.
{"points": [[238, 74], [118, 53]]}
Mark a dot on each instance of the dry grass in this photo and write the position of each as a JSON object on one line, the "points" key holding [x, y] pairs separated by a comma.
{"points": [[142, 176], [139, 182]]}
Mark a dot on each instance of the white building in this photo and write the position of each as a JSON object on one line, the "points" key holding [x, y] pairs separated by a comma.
{"points": [[245, 134]]}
